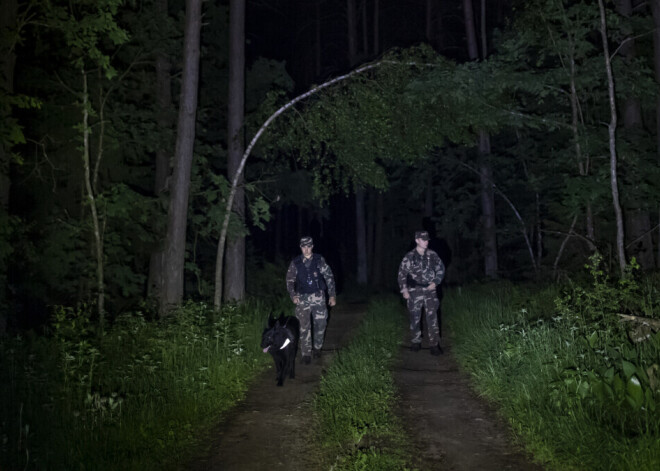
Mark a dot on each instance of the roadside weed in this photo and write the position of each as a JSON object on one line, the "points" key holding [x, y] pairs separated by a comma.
{"points": [[575, 388], [354, 405], [134, 398]]}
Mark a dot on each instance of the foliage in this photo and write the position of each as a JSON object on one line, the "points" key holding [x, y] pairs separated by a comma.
{"points": [[266, 281], [357, 393], [348, 134], [573, 385], [89, 27], [136, 398]]}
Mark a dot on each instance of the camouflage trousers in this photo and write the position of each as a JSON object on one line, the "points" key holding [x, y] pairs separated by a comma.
{"points": [[423, 298], [313, 316]]}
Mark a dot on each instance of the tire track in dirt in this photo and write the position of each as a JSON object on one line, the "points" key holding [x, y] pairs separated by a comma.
{"points": [[272, 429], [452, 428]]}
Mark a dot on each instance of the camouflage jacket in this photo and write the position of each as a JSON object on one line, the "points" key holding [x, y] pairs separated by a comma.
{"points": [[421, 269], [323, 268]]}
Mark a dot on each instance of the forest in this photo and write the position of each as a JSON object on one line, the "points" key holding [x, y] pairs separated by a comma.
{"points": [[161, 159]]}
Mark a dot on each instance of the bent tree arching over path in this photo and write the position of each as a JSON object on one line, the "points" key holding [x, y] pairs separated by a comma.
{"points": [[217, 297], [406, 148], [450, 428]]}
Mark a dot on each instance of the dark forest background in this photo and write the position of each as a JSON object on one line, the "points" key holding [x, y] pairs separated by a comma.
{"points": [[522, 135]]}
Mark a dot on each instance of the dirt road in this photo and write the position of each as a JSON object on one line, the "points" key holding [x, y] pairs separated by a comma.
{"points": [[271, 429], [451, 428]]}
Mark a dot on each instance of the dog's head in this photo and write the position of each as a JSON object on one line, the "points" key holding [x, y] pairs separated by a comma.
{"points": [[276, 336]]}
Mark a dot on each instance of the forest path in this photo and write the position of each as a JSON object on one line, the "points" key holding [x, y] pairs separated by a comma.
{"points": [[271, 429], [450, 427]]}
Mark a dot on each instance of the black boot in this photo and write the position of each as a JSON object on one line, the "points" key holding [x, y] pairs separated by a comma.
{"points": [[415, 347], [436, 350]]}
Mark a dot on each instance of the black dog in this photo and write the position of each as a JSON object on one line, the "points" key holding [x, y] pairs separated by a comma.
{"points": [[280, 339]]}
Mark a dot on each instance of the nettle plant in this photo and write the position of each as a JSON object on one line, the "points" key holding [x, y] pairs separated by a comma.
{"points": [[606, 367]]}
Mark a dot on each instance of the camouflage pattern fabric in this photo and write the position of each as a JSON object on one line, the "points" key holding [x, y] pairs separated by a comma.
{"points": [[311, 310], [427, 299], [313, 316], [422, 270]]}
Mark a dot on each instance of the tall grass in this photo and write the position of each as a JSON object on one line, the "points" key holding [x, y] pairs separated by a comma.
{"points": [[357, 393], [135, 398], [562, 369]]}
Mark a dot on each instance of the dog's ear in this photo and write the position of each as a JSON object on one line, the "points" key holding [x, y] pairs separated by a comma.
{"points": [[271, 320]]}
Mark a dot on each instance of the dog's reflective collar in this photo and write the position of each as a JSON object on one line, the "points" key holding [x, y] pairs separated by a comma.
{"points": [[286, 342]]}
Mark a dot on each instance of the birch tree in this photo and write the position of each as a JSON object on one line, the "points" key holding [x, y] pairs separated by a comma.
{"points": [[611, 131]]}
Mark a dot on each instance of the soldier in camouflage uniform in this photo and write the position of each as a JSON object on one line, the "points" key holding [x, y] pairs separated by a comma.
{"points": [[420, 272], [306, 281]]}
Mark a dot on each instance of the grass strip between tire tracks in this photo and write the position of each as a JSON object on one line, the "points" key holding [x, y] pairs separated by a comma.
{"points": [[354, 406]]}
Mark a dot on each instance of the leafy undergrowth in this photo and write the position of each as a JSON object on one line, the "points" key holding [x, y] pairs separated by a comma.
{"points": [[354, 405], [133, 398], [576, 384]]}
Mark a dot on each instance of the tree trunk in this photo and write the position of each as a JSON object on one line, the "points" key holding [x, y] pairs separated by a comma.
{"points": [[637, 219], [484, 34], [365, 29], [621, 255], [433, 26], [377, 264], [488, 208], [9, 9], [361, 236], [360, 227], [428, 194], [371, 226], [317, 42], [91, 199], [655, 10], [583, 161], [175, 242], [555, 266], [351, 17], [429, 21], [470, 33], [235, 265], [486, 172], [638, 231], [539, 231], [164, 121], [376, 44]]}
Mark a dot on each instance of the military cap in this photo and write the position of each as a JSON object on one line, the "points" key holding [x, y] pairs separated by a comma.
{"points": [[422, 235], [306, 241]]}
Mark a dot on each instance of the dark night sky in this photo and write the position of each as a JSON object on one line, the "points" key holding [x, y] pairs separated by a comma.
{"points": [[286, 30]]}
